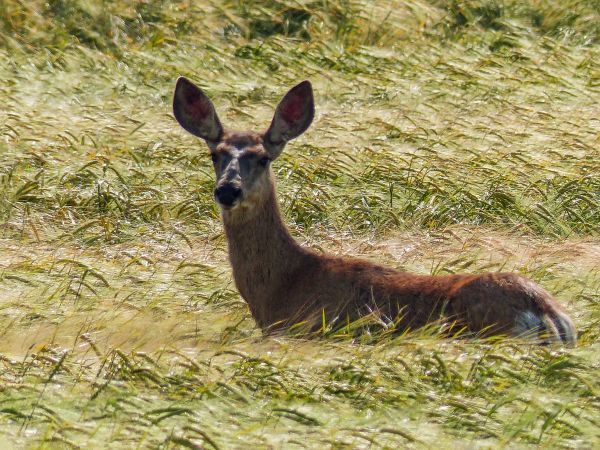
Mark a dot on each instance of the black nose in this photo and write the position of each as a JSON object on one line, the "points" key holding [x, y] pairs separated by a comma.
{"points": [[227, 194]]}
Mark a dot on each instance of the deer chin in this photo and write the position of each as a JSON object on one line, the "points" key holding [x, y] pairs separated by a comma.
{"points": [[229, 207], [241, 206]]}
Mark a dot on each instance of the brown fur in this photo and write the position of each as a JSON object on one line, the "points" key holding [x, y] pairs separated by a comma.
{"points": [[285, 284]]}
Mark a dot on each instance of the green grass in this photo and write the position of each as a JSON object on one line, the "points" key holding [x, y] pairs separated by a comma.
{"points": [[450, 136]]}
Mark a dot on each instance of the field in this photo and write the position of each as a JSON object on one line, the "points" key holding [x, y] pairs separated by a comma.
{"points": [[450, 136]]}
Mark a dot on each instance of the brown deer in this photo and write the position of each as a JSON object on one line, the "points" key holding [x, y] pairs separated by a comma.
{"points": [[286, 284]]}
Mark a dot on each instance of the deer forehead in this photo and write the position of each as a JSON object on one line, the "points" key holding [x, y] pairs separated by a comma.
{"points": [[238, 145], [241, 139]]}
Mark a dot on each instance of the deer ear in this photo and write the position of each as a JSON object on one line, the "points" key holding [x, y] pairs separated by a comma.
{"points": [[195, 112], [293, 116]]}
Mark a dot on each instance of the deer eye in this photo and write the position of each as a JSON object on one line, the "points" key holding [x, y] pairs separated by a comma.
{"points": [[264, 161]]}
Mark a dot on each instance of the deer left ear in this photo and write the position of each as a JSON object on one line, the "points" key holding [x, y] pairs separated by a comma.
{"points": [[195, 112], [293, 116]]}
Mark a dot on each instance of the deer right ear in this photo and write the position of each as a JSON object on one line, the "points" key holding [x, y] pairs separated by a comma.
{"points": [[195, 112], [293, 116]]}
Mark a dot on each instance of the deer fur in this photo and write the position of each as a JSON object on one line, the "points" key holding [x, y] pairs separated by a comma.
{"points": [[286, 284]]}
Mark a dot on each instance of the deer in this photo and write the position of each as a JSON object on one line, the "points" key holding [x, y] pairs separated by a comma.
{"points": [[287, 285]]}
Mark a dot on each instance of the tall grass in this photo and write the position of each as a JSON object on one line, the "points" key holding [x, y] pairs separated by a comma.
{"points": [[449, 137]]}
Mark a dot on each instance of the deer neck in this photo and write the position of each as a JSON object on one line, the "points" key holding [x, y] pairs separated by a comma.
{"points": [[262, 253]]}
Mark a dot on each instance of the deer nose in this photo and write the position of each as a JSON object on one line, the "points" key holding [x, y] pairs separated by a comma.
{"points": [[227, 194]]}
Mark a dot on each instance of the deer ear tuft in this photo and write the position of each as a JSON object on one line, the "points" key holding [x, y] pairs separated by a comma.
{"points": [[195, 112], [292, 117]]}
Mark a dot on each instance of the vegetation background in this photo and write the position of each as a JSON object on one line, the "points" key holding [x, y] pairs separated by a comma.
{"points": [[450, 136]]}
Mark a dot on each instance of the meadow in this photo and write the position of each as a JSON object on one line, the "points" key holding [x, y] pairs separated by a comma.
{"points": [[450, 136]]}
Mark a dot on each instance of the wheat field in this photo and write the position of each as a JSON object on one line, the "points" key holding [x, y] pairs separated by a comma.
{"points": [[450, 136]]}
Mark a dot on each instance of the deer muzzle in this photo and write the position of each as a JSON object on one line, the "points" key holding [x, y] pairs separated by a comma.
{"points": [[228, 195]]}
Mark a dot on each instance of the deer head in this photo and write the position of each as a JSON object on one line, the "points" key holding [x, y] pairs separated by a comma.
{"points": [[241, 159]]}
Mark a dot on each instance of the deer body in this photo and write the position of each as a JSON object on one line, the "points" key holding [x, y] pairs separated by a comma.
{"points": [[286, 284]]}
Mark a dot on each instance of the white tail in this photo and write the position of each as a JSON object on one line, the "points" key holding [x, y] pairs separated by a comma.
{"points": [[285, 284]]}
